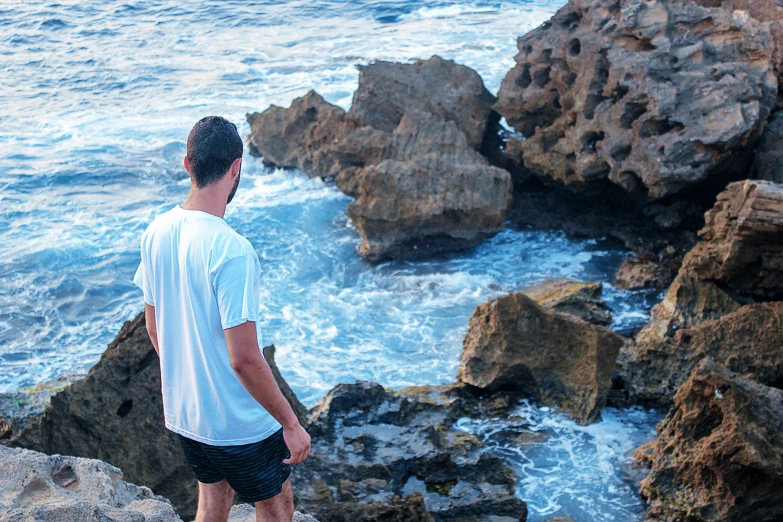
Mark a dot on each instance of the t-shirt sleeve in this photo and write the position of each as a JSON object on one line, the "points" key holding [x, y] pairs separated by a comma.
{"points": [[237, 287], [143, 281]]}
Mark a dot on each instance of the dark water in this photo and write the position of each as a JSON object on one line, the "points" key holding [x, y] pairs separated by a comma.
{"points": [[95, 106]]}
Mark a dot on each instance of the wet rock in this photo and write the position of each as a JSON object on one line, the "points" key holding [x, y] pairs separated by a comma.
{"points": [[741, 243], [748, 341], [115, 414], [453, 92], [768, 163], [638, 273], [411, 162], [652, 96], [43, 488], [718, 455], [381, 455], [513, 343], [582, 300]]}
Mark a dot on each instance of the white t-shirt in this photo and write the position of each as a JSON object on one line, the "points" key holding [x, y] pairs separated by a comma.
{"points": [[202, 277]]}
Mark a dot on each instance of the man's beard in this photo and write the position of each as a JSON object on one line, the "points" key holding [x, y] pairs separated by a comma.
{"points": [[234, 190]]}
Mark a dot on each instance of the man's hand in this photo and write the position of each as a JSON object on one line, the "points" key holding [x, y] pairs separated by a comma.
{"points": [[298, 442]]}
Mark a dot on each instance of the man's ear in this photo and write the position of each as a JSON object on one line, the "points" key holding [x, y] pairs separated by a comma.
{"points": [[236, 166], [186, 162]]}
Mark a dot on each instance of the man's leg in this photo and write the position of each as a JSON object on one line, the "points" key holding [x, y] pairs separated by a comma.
{"points": [[279, 508], [214, 501]]}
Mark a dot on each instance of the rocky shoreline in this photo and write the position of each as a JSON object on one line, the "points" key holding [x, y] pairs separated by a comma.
{"points": [[657, 123]]}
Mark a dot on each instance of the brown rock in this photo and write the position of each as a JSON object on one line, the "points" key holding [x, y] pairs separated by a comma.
{"points": [[452, 92], [768, 162], [748, 341], [653, 96], [582, 300], [741, 243], [44, 488], [513, 343], [719, 454], [639, 273]]}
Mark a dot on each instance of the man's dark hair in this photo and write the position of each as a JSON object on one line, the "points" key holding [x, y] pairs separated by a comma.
{"points": [[213, 145]]}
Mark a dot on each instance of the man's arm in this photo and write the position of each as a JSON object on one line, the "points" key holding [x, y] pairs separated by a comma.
{"points": [[152, 326], [254, 374]]}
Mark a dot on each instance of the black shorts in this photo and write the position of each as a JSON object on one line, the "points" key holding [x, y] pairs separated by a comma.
{"points": [[255, 471]]}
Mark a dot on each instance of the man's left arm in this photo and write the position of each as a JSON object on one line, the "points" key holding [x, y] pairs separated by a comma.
{"points": [[152, 326]]}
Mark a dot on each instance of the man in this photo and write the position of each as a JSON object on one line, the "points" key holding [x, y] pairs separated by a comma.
{"points": [[201, 285]]}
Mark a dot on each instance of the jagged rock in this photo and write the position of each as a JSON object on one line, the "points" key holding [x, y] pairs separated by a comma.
{"points": [[40, 488], [639, 273], [748, 341], [115, 414], [741, 243], [513, 343], [453, 92], [378, 454], [653, 96], [768, 163], [19, 410], [719, 453], [288, 393], [582, 300], [411, 162], [247, 513]]}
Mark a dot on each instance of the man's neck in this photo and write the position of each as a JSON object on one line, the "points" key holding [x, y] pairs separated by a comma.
{"points": [[205, 200]]}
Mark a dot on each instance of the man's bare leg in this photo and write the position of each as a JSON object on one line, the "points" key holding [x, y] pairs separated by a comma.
{"points": [[214, 502], [279, 508]]}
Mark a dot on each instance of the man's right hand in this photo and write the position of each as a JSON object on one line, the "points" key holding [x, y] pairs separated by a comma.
{"points": [[298, 442]]}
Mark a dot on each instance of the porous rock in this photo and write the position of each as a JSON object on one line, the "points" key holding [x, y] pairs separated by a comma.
{"points": [[247, 513], [719, 454], [639, 273], [43, 488], [580, 299], [381, 455], [514, 343], [653, 96]]}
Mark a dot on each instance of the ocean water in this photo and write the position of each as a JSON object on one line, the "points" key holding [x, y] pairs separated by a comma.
{"points": [[95, 107]]}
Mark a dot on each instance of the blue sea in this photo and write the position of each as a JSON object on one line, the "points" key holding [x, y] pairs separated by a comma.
{"points": [[96, 102]]}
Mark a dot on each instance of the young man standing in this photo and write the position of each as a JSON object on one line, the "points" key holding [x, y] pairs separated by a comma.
{"points": [[201, 284]]}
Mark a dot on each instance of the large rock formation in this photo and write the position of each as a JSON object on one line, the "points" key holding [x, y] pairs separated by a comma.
{"points": [[709, 310], [653, 96], [40, 488], [513, 343], [396, 456], [407, 151], [719, 453], [638, 273], [114, 414]]}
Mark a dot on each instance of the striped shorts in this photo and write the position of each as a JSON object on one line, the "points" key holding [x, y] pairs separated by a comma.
{"points": [[255, 471]]}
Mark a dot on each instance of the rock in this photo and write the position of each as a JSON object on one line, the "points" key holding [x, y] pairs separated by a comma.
{"points": [[764, 11], [288, 393], [652, 96], [115, 414], [19, 410], [768, 163], [741, 243], [638, 273], [43, 488], [411, 162], [719, 454], [748, 341], [453, 92], [513, 343], [247, 513], [582, 300], [382, 455]]}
